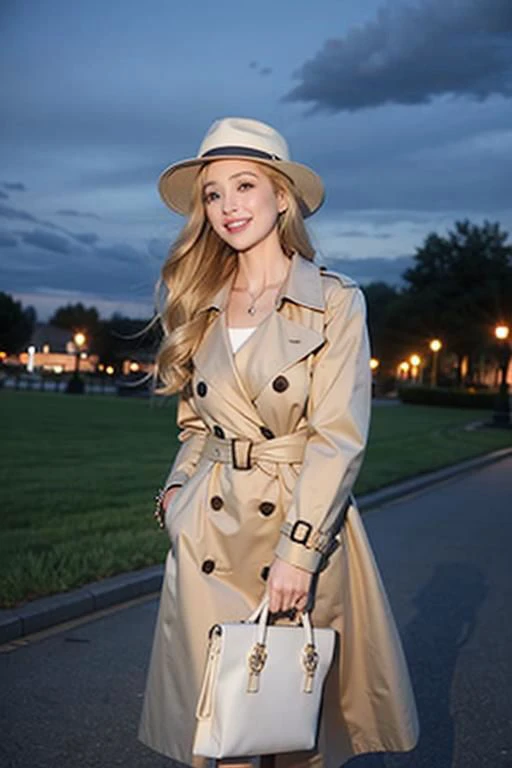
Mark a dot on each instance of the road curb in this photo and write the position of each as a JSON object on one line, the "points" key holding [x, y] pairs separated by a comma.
{"points": [[50, 611]]}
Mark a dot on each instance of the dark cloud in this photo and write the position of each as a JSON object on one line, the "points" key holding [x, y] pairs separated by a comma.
{"points": [[47, 240], [371, 270], [264, 71], [88, 238], [7, 240], [3, 195], [253, 65], [77, 214], [14, 186], [361, 233], [410, 54], [118, 273], [120, 253], [15, 214]]}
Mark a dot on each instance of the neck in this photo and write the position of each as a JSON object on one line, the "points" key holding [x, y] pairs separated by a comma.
{"points": [[264, 264]]}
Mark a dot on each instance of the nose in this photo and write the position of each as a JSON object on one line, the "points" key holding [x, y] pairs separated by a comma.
{"points": [[229, 203]]}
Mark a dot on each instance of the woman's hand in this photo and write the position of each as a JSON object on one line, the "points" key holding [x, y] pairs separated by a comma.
{"points": [[288, 586], [163, 506]]}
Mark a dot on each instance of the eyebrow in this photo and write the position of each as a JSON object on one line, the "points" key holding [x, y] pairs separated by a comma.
{"points": [[234, 176]]}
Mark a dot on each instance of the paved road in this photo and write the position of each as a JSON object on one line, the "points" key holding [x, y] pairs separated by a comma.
{"points": [[71, 699]]}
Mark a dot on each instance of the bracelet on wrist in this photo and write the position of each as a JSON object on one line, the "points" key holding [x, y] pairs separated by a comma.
{"points": [[159, 513]]}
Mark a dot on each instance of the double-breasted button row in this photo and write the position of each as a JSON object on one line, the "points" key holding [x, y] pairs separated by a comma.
{"points": [[264, 572], [219, 432], [266, 432], [208, 566], [216, 502], [280, 384]]}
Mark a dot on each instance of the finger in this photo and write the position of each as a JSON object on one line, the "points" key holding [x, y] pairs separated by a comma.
{"points": [[274, 602], [289, 598], [301, 603]]}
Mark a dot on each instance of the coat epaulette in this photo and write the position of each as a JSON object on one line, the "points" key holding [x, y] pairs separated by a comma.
{"points": [[345, 280]]}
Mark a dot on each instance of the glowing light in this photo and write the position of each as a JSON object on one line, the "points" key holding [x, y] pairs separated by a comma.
{"points": [[79, 339], [134, 367], [415, 360], [374, 363], [109, 370], [404, 367], [501, 332], [435, 345]]}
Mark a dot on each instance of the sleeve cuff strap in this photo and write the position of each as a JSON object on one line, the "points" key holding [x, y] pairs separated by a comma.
{"points": [[297, 554]]}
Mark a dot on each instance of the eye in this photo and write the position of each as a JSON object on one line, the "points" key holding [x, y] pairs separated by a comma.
{"points": [[245, 185], [209, 197]]}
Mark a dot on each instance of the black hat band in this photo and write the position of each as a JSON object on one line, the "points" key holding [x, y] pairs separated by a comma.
{"points": [[244, 151]]}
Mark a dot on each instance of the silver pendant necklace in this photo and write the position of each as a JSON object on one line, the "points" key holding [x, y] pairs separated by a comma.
{"points": [[251, 309]]}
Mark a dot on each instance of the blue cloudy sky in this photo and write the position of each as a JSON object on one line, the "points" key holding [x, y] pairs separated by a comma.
{"points": [[404, 107]]}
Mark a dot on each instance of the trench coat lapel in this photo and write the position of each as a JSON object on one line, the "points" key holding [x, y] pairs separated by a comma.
{"points": [[278, 342], [214, 362], [275, 345]]}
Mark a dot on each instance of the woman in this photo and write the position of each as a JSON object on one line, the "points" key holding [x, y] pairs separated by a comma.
{"points": [[270, 356]]}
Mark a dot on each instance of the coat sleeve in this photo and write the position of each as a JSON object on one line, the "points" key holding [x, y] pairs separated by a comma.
{"points": [[338, 419], [192, 435]]}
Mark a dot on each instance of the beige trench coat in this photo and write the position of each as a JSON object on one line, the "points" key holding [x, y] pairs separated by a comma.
{"points": [[299, 390]]}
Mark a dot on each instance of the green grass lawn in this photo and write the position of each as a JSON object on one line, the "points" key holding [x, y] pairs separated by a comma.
{"points": [[78, 475]]}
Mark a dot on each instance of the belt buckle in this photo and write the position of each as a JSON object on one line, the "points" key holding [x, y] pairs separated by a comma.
{"points": [[241, 453]]}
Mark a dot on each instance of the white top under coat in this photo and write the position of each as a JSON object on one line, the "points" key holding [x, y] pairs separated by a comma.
{"points": [[237, 336]]}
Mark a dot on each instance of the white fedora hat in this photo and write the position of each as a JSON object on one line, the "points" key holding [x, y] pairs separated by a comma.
{"points": [[240, 138]]}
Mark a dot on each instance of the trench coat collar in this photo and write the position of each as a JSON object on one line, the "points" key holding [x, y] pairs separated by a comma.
{"points": [[303, 285]]}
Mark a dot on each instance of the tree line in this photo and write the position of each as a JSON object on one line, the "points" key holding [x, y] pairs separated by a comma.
{"points": [[457, 289]]}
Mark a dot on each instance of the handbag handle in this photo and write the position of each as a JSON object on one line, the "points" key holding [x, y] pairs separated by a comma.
{"points": [[258, 655], [261, 613]]}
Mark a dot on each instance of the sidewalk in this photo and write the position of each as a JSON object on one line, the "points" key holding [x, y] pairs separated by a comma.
{"points": [[50, 611]]}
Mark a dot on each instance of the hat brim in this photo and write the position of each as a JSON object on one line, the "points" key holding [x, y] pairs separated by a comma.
{"points": [[176, 182]]}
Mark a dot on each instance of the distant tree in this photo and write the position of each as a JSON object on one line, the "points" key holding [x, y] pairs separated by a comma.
{"points": [[16, 324], [121, 337], [387, 342], [459, 287], [76, 317]]}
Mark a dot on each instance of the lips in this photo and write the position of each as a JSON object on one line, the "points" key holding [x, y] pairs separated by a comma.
{"points": [[236, 225]]}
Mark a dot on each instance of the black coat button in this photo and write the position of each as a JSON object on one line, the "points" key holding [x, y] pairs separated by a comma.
{"points": [[280, 384], [266, 508], [266, 432], [208, 566], [216, 502], [201, 388], [219, 432], [264, 572]]}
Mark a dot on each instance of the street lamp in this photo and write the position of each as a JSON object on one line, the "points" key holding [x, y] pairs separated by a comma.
{"points": [[76, 385], [415, 361], [79, 341], [501, 416], [435, 346]]}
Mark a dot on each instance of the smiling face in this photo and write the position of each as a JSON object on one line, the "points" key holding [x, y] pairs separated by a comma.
{"points": [[241, 203]]}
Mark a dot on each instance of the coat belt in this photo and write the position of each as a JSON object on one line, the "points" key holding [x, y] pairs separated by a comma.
{"points": [[243, 453]]}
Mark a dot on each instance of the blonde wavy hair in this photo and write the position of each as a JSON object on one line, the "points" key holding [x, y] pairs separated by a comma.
{"points": [[198, 264]]}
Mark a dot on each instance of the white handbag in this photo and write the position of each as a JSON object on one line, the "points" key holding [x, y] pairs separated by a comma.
{"points": [[262, 687]]}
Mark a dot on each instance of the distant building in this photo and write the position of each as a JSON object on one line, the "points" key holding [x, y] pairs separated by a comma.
{"points": [[53, 349]]}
